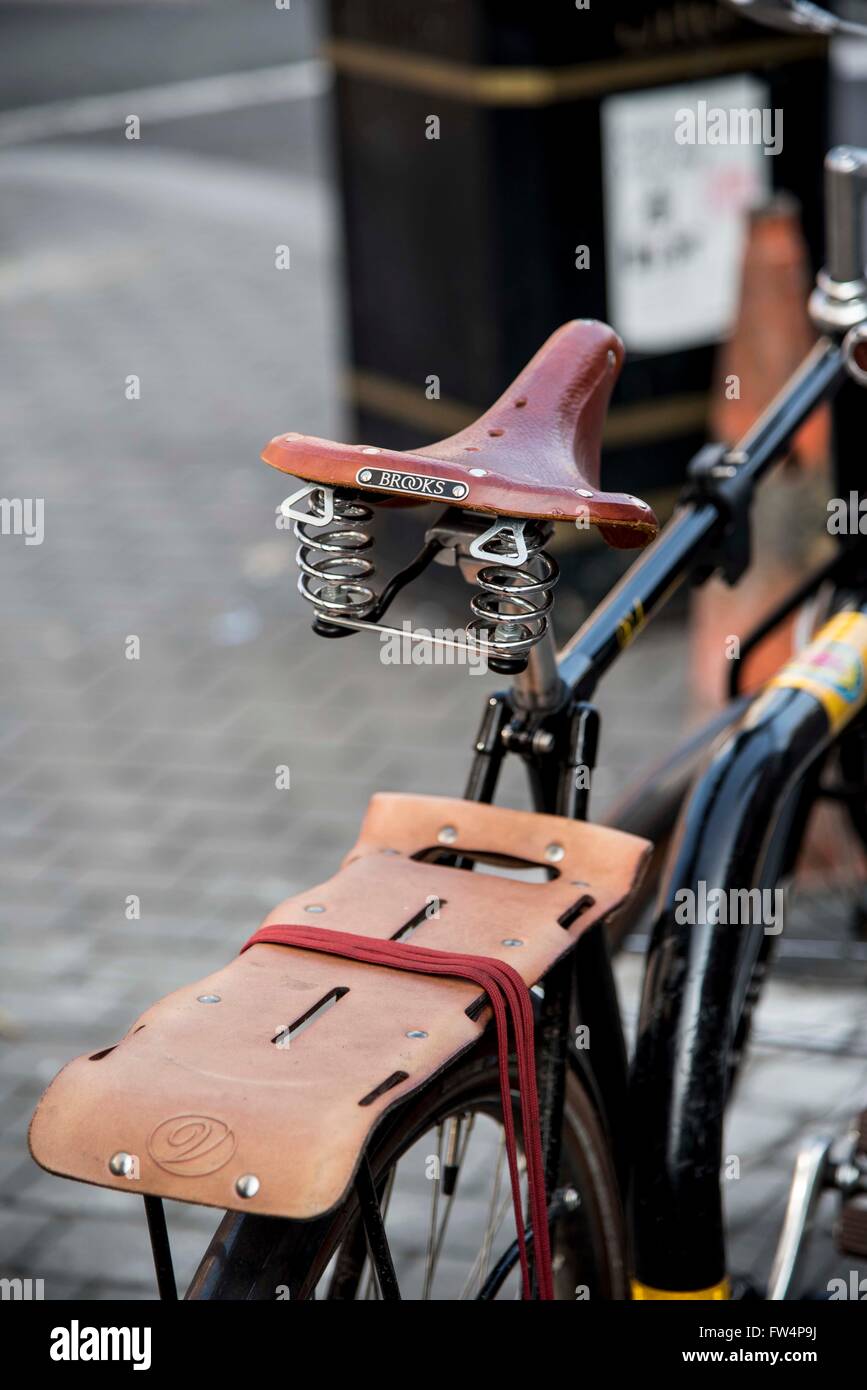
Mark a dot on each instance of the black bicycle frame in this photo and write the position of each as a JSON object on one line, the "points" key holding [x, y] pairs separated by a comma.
{"points": [[736, 830], [672, 1213]]}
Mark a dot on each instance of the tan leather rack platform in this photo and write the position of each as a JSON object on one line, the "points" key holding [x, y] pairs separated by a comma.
{"points": [[256, 1088]]}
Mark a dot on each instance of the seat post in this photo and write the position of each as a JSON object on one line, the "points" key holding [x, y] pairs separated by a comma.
{"points": [[539, 686]]}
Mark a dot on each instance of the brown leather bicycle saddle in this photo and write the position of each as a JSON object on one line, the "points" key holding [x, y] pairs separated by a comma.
{"points": [[534, 454]]}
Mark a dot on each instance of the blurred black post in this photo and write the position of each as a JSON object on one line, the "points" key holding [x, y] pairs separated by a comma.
{"points": [[483, 141]]}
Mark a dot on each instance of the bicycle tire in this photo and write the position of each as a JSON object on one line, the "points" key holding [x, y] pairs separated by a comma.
{"points": [[250, 1258]]}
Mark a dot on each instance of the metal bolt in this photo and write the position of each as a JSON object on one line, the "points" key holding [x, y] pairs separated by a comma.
{"points": [[447, 835], [543, 741], [121, 1165], [554, 853], [511, 941], [247, 1185], [314, 907], [416, 1033], [208, 998], [571, 1199], [847, 1175]]}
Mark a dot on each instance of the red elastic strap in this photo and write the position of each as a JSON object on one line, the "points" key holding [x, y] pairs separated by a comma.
{"points": [[509, 998]]}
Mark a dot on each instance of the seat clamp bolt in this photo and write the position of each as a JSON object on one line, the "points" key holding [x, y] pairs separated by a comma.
{"points": [[247, 1185], [543, 741], [554, 853]]}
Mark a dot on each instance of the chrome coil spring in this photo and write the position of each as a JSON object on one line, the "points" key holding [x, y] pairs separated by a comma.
{"points": [[510, 615], [332, 559]]}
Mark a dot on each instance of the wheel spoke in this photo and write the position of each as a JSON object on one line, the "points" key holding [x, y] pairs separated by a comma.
{"points": [[456, 1150], [432, 1223], [497, 1209]]}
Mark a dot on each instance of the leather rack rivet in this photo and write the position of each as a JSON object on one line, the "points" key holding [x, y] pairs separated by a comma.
{"points": [[247, 1185], [447, 835], [314, 907], [122, 1165], [208, 998], [554, 853], [511, 941], [416, 1033]]}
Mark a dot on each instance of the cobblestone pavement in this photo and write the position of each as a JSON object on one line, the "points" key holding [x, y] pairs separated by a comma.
{"points": [[156, 777]]}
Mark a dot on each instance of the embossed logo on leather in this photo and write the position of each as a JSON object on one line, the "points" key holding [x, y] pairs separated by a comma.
{"points": [[191, 1146], [416, 483]]}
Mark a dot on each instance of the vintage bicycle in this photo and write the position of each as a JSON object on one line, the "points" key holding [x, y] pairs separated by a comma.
{"points": [[364, 1030]]}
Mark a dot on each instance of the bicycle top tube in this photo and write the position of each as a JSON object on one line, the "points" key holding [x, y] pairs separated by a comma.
{"points": [[715, 511]]}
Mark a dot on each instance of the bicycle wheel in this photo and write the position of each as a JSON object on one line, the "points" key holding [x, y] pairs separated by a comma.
{"points": [[439, 1166]]}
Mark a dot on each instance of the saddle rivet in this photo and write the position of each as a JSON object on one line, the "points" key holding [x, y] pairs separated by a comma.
{"points": [[370, 450], [247, 1185], [612, 357], [416, 1033], [208, 999], [583, 492], [448, 835], [511, 941], [314, 907], [121, 1164], [478, 472], [554, 853]]}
